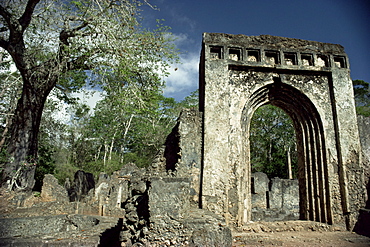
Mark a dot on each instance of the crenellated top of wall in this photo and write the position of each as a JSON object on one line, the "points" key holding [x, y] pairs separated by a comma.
{"points": [[274, 51]]}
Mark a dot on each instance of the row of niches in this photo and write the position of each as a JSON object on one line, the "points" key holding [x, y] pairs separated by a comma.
{"points": [[277, 57]]}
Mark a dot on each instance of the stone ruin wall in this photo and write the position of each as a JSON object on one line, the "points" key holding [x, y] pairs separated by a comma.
{"points": [[310, 81], [364, 130], [159, 204], [186, 194], [274, 199], [363, 224]]}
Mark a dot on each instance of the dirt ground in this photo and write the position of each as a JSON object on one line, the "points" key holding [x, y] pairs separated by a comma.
{"points": [[297, 233], [304, 238], [283, 233]]}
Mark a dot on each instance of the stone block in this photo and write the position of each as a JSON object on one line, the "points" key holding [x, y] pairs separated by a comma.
{"points": [[260, 183], [169, 197], [52, 191], [259, 200], [290, 195], [82, 184], [275, 195]]}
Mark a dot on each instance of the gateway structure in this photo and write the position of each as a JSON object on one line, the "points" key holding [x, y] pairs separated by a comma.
{"points": [[311, 82]]}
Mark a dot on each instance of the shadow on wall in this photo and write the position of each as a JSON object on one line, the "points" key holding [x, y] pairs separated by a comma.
{"points": [[274, 199], [363, 224]]}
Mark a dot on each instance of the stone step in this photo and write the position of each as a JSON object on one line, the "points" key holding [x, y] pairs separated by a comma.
{"points": [[281, 226]]}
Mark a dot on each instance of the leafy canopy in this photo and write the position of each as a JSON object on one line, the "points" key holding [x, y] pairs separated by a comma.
{"points": [[362, 97], [272, 137], [66, 38]]}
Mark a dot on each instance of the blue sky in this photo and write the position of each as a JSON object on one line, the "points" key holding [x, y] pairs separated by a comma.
{"points": [[345, 22]]}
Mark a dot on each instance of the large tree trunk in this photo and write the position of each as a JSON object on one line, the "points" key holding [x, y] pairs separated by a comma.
{"points": [[22, 145]]}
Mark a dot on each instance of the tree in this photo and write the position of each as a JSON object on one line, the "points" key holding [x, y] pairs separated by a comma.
{"points": [[191, 100], [362, 97], [130, 124], [272, 139], [10, 85], [55, 43]]}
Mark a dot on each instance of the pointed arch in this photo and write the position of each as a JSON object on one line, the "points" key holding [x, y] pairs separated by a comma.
{"points": [[312, 167]]}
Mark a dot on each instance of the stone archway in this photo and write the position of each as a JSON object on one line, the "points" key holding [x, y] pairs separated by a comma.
{"points": [[313, 173], [310, 82]]}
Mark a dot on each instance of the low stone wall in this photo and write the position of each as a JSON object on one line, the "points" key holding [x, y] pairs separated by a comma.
{"points": [[364, 130], [363, 224], [58, 230], [157, 206], [275, 199]]}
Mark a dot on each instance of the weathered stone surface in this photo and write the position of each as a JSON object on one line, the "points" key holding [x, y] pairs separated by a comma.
{"points": [[260, 183], [205, 160], [260, 186], [281, 202], [275, 195], [182, 152], [207, 229], [364, 131], [83, 182], [211, 236], [52, 191], [314, 89], [59, 230], [169, 197], [363, 224]]}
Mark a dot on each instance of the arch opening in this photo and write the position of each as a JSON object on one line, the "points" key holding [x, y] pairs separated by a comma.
{"points": [[314, 195], [274, 143], [274, 184]]}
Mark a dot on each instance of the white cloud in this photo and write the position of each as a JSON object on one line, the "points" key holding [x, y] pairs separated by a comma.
{"points": [[183, 77], [89, 97]]}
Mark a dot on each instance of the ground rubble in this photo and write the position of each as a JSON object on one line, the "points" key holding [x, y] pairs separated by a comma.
{"points": [[156, 206], [129, 208], [296, 233], [43, 224]]}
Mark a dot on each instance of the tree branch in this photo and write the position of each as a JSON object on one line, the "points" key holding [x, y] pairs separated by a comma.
{"points": [[68, 33], [27, 15], [4, 43], [78, 63], [5, 14], [3, 29]]}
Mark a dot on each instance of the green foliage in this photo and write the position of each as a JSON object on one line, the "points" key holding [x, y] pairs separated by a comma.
{"points": [[67, 45], [272, 136], [3, 160], [192, 100], [45, 165], [37, 194], [362, 97], [64, 170]]}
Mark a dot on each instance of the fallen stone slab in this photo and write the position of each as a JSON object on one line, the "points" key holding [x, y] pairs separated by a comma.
{"points": [[60, 230]]}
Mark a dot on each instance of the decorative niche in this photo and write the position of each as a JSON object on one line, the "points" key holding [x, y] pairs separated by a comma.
{"points": [[235, 54], [322, 61], [307, 59], [216, 52], [253, 55], [340, 62], [272, 57], [290, 58]]}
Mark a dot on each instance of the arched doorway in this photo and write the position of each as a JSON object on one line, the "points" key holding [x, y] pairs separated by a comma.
{"points": [[314, 189], [274, 168], [310, 81]]}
